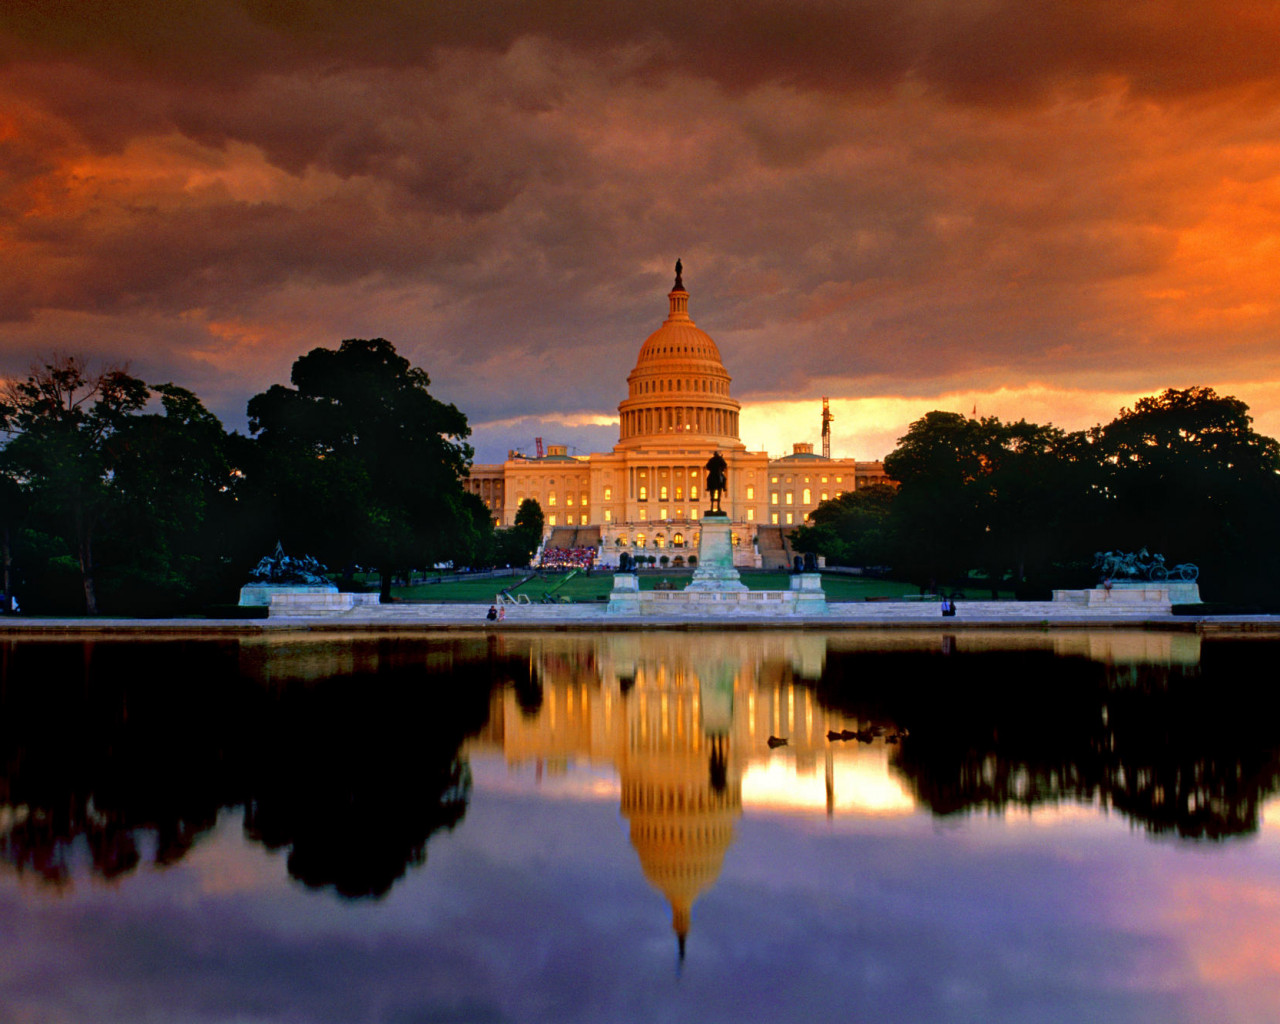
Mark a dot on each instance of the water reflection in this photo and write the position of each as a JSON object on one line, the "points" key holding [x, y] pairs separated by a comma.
{"points": [[350, 754], [1158, 727], [347, 755], [1151, 725]]}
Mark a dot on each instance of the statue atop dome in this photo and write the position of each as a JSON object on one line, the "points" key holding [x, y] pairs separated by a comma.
{"points": [[679, 283]]}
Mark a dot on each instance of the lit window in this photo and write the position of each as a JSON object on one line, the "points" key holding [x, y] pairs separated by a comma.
{"points": [[808, 497], [839, 479], [751, 515], [608, 515], [693, 493], [824, 479], [773, 498], [568, 499], [583, 500], [679, 494], [551, 519], [608, 494], [824, 496], [693, 513], [773, 479], [644, 493], [551, 499], [662, 513], [790, 519], [639, 540], [751, 493], [583, 519], [662, 493], [791, 497], [773, 518], [644, 514]]}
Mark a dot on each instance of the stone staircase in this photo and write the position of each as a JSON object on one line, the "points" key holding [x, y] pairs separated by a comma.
{"points": [[561, 537], [775, 550], [574, 537]]}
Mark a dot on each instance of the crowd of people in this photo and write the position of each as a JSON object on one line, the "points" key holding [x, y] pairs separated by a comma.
{"points": [[567, 558]]}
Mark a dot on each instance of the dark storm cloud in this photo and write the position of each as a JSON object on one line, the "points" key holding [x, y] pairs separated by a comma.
{"points": [[903, 198], [991, 50]]}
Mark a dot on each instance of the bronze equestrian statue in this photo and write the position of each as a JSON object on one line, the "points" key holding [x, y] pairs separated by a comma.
{"points": [[717, 479]]}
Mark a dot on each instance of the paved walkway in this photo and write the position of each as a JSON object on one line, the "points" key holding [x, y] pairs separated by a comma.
{"points": [[848, 616]]}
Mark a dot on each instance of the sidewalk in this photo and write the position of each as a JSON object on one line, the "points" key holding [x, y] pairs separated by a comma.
{"points": [[417, 617]]}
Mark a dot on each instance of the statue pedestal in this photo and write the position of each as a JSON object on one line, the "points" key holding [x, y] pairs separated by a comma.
{"points": [[1133, 595], [715, 557], [262, 593], [624, 599], [810, 597]]}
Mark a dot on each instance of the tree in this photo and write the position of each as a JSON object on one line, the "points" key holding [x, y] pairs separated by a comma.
{"points": [[851, 529], [174, 480], [133, 500], [1022, 497], [61, 421], [1184, 474], [935, 523], [358, 462], [982, 494], [522, 540]]}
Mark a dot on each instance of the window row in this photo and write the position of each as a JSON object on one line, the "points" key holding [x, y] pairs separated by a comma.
{"points": [[677, 419], [673, 384]]}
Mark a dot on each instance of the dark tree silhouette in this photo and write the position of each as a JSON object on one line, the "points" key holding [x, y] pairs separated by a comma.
{"points": [[61, 421], [1187, 476], [135, 501], [359, 463]]}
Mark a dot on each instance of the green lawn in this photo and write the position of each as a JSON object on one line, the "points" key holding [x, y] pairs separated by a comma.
{"points": [[596, 587]]}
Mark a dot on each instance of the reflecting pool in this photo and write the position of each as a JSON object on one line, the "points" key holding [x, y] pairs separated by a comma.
{"points": [[660, 826]]}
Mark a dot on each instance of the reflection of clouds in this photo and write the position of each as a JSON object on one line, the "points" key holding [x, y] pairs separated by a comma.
{"points": [[566, 780], [862, 784], [222, 864], [1269, 817], [1229, 927], [534, 909]]}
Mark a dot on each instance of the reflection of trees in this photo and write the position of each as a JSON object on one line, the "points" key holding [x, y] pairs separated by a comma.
{"points": [[101, 744], [356, 773], [1182, 750], [130, 751]]}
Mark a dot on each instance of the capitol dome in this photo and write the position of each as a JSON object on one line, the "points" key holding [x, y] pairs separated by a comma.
{"points": [[678, 392]]}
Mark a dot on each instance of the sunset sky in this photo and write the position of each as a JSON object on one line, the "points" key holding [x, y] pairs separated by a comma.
{"points": [[1039, 209]]}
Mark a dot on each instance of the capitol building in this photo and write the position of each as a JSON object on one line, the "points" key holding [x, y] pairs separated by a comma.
{"points": [[647, 493]]}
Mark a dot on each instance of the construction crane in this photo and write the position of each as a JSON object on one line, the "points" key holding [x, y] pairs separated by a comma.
{"points": [[826, 429], [537, 441]]}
